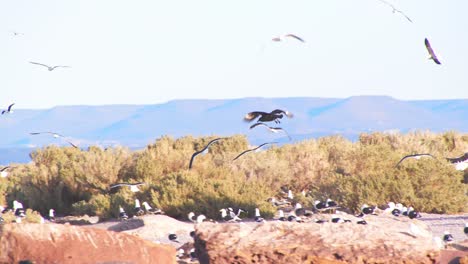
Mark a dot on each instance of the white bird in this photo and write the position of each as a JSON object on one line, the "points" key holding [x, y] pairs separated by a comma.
{"points": [[4, 171], [396, 10], [52, 215], [50, 68], [272, 129], [285, 36], [234, 216], [258, 218], [223, 213], [122, 214], [281, 215], [55, 135], [461, 163], [133, 186], [149, 209], [137, 210]]}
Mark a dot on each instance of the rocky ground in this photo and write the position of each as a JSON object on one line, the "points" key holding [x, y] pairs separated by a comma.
{"points": [[249, 241]]}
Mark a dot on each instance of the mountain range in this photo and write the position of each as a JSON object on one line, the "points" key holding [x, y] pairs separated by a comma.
{"points": [[137, 125]]}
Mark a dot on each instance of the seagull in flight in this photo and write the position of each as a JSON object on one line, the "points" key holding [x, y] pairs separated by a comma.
{"points": [[431, 51], [394, 10], [246, 151], [133, 186], [283, 37], [55, 135], [414, 156], [272, 129], [50, 68], [274, 115], [8, 110], [203, 150], [461, 163]]}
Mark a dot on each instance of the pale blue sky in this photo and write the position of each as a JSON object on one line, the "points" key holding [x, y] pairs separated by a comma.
{"points": [[146, 52]]}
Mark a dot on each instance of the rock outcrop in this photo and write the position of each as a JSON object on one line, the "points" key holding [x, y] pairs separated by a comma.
{"points": [[383, 240], [55, 243]]}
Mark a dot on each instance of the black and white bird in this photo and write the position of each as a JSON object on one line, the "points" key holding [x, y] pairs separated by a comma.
{"points": [[397, 210], [281, 215], [278, 203], [272, 129], [461, 163], [137, 210], [50, 68], [52, 215], [234, 216], [319, 205], [18, 209], [412, 214], [274, 115], [202, 151], [367, 210], [133, 186], [300, 211], [285, 36], [55, 135], [431, 51], [122, 214], [447, 237], [258, 218], [330, 203], [4, 171], [465, 230], [8, 110], [173, 237], [200, 218], [361, 222], [253, 149], [394, 10], [151, 210], [414, 156]]}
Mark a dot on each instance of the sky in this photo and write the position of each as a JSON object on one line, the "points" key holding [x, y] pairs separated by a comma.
{"points": [[148, 52]]}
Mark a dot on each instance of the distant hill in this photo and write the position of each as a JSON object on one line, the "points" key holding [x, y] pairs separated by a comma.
{"points": [[137, 125]]}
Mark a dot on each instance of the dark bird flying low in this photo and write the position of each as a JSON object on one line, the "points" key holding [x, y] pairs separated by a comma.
{"points": [[202, 150], [431, 51], [274, 115], [246, 151]]}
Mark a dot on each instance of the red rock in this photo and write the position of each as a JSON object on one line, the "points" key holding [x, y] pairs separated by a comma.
{"points": [[54, 243]]}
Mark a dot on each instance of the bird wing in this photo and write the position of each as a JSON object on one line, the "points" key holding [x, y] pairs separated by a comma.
{"points": [[259, 124], [242, 153], [9, 107], [60, 66], [4, 168], [279, 111], [401, 12], [431, 51], [71, 143], [413, 156], [118, 185], [252, 115], [279, 128], [203, 149], [37, 63], [463, 158], [294, 36]]}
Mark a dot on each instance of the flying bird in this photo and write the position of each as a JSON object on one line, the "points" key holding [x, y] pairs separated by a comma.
{"points": [[414, 156], [272, 129], [394, 10], [283, 37], [246, 151], [55, 135], [16, 33], [274, 115], [133, 186], [431, 51], [202, 151], [461, 163], [8, 110], [50, 68], [4, 172]]}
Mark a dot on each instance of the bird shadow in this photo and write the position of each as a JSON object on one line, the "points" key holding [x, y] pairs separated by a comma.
{"points": [[127, 225]]}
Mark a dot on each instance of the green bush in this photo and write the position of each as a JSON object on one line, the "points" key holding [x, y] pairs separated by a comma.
{"points": [[73, 181]]}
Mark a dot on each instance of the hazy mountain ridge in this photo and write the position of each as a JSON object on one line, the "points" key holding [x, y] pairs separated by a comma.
{"points": [[138, 125]]}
